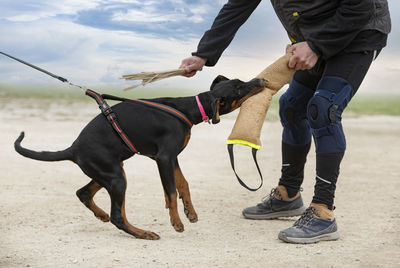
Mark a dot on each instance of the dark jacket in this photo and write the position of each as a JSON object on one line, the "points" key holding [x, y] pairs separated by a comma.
{"points": [[328, 26]]}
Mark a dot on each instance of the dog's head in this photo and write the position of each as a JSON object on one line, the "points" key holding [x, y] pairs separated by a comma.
{"points": [[230, 94]]}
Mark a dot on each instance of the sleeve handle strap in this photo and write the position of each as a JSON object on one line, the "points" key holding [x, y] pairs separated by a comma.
{"points": [[255, 148]]}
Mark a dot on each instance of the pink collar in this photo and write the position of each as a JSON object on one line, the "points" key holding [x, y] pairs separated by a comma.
{"points": [[203, 113]]}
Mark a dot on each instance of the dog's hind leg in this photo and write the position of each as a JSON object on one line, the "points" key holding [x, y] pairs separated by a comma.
{"points": [[86, 193], [111, 176], [184, 193], [117, 188], [166, 168]]}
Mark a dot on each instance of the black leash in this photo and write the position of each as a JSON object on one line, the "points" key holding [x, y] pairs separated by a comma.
{"points": [[62, 79]]}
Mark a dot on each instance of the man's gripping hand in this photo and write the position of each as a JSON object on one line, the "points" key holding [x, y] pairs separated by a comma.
{"points": [[192, 65], [303, 58]]}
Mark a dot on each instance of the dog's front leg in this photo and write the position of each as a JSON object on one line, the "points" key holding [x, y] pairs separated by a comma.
{"points": [[166, 169], [184, 193]]}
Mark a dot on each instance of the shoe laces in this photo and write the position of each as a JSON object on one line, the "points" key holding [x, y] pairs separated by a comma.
{"points": [[306, 217], [273, 194], [267, 200]]}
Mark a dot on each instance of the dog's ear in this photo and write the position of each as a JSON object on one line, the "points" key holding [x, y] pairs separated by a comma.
{"points": [[215, 111], [218, 79]]}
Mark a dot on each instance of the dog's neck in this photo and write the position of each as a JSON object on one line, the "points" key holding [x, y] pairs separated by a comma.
{"points": [[188, 106]]}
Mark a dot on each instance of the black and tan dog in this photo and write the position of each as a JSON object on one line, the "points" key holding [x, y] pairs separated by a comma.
{"points": [[100, 152]]}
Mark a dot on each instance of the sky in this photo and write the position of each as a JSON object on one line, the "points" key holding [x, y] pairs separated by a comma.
{"points": [[94, 42]]}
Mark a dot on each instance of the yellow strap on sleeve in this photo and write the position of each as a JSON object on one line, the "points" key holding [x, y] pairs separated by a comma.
{"points": [[243, 142]]}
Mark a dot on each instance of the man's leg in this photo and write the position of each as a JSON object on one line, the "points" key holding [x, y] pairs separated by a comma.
{"points": [[342, 76], [285, 200], [296, 134]]}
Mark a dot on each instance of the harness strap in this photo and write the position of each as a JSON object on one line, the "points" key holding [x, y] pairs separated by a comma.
{"points": [[167, 109], [111, 118], [160, 106], [254, 152]]}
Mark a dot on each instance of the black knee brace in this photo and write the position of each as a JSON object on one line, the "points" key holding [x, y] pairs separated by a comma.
{"points": [[292, 112], [324, 113]]}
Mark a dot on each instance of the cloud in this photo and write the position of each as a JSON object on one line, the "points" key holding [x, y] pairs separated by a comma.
{"points": [[30, 10], [167, 18]]}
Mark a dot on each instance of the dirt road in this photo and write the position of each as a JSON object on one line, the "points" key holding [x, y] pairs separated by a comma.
{"points": [[43, 224]]}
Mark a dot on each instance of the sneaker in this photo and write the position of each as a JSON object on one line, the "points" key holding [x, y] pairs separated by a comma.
{"points": [[309, 228], [274, 206]]}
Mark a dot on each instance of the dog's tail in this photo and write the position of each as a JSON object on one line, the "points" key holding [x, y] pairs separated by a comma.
{"points": [[42, 156]]}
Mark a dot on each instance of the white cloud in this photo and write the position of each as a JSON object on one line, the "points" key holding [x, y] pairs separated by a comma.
{"points": [[149, 13], [146, 16], [47, 8]]}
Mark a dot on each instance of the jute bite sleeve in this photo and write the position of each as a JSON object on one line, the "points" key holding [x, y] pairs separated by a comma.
{"points": [[247, 128]]}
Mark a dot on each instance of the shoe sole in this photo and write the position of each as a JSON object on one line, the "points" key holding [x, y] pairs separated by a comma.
{"points": [[274, 215], [309, 240]]}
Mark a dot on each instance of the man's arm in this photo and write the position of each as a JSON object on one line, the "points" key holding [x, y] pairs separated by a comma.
{"points": [[214, 41]]}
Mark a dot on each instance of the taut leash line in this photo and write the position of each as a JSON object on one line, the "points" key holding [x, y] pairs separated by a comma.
{"points": [[62, 79]]}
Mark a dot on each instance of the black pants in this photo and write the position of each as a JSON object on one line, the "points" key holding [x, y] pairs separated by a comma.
{"points": [[304, 113]]}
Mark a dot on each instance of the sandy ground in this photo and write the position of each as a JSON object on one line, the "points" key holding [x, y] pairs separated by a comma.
{"points": [[43, 224]]}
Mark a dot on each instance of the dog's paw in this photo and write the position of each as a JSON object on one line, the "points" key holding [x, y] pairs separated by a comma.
{"points": [[178, 226], [148, 235], [192, 216], [190, 212], [103, 217]]}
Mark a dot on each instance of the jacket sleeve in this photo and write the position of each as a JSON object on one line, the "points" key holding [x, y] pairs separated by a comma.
{"points": [[214, 41], [350, 18]]}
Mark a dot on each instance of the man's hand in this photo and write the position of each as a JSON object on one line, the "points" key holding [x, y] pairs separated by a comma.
{"points": [[303, 58], [192, 65]]}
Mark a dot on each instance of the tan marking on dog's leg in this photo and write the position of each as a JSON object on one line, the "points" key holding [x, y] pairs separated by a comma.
{"points": [[174, 215], [138, 233], [86, 194], [166, 200], [98, 212], [183, 189]]}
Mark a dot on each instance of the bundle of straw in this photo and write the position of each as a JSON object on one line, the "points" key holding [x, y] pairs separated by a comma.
{"points": [[149, 77]]}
